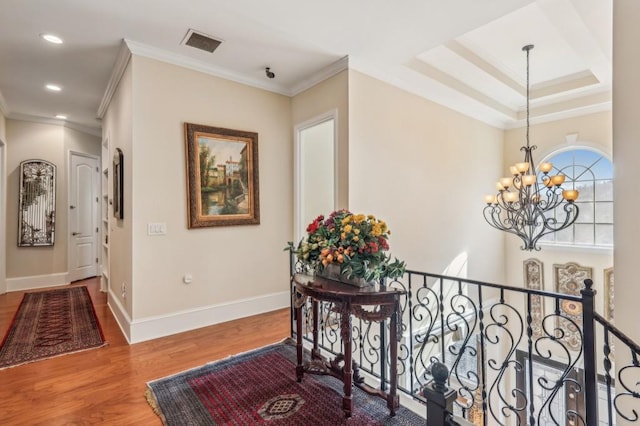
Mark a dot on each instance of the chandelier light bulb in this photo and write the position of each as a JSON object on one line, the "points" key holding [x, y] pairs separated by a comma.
{"points": [[511, 197], [557, 180], [529, 180], [522, 167], [505, 182], [513, 170], [545, 167], [570, 195]]}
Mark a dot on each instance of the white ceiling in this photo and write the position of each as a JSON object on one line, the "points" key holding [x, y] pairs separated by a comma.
{"points": [[465, 54]]}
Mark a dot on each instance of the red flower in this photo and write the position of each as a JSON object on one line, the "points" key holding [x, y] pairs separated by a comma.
{"points": [[313, 226]]}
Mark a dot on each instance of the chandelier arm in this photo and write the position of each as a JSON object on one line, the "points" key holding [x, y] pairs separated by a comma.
{"points": [[571, 211], [492, 215]]}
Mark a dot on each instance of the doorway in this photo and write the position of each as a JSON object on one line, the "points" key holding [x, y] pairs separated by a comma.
{"points": [[83, 230], [315, 170]]}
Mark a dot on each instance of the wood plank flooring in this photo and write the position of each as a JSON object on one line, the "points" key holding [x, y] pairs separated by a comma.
{"points": [[106, 386]]}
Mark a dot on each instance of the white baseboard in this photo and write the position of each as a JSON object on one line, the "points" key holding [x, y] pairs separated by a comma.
{"points": [[37, 281], [149, 328], [120, 314]]}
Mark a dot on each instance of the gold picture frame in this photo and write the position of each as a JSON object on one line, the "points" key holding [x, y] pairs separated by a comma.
{"points": [[222, 176]]}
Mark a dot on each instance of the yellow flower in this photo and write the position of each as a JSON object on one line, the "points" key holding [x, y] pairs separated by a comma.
{"points": [[359, 218], [346, 220], [343, 236], [376, 231], [356, 238], [356, 231], [371, 217], [347, 228]]}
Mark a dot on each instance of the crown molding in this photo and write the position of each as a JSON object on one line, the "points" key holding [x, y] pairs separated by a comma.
{"points": [[562, 115], [122, 60], [151, 52], [322, 75], [56, 122]]}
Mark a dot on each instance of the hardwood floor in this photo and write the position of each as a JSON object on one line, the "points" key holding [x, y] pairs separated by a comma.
{"points": [[106, 386]]}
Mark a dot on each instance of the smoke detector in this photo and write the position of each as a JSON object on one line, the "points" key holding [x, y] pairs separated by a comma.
{"points": [[201, 41]]}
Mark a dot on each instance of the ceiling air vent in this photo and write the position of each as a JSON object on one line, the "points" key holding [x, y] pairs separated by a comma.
{"points": [[201, 41]]}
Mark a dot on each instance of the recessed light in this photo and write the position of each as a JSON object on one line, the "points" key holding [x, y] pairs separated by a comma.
{"points": [[61, 116], [53, 87], [51, 38]]}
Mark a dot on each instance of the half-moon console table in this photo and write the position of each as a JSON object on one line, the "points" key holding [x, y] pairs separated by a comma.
{"points": [[348, 300]]}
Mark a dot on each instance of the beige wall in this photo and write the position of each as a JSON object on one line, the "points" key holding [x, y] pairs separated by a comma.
{"points": [[594, 131], [423, 169], [25, 141], [331, 94], [227, 263], [626, 152], [117, 126]]}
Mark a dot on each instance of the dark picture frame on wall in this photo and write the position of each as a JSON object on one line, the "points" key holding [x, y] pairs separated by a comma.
{"points": [[222, 176], [37, 214], [118, 184]]}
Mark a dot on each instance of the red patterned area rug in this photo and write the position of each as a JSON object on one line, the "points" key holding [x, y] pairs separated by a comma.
{"points": [[260, 388], [51, 323]]}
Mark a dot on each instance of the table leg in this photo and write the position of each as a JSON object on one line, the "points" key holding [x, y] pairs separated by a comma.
{"points": [[299, 366], [393, 400], [315, 353], [347, 371]]}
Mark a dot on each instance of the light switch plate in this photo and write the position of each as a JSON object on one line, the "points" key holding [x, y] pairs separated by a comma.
{"points": [[157, 229]]}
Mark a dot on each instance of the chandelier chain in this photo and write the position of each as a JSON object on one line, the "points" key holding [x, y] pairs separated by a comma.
{"points": [[528, 49]]}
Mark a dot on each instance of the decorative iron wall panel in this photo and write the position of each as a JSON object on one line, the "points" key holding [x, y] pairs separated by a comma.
{"points": [[569, 279], [36, 220], [534, 280]]}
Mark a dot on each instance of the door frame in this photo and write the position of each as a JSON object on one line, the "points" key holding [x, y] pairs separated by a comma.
{"points": [[96, 218], [3, 216], [297, 159]]}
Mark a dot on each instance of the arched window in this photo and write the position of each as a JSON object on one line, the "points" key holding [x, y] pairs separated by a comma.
{"points": [[591, 173]]}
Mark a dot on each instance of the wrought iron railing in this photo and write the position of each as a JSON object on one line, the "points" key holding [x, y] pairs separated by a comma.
{"points": [[509, 361]]}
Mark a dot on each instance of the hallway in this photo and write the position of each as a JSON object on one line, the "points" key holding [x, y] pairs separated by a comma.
{"points": [[106, 385]]}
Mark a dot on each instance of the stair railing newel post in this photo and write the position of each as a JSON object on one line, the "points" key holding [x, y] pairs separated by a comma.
{"points": [[439, 397], [590, 370]]}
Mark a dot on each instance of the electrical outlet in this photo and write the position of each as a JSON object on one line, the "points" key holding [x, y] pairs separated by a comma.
{"points": [[123, 290]]}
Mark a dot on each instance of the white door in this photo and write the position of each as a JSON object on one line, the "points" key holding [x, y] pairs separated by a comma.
{"points": [[83, 217]]}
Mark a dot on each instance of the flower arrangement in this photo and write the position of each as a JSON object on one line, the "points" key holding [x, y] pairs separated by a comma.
{"points": [[355, 242]]}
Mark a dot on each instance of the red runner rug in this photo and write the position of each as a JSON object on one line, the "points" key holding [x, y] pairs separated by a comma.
{"points": [[51, 323], [260, 388]]}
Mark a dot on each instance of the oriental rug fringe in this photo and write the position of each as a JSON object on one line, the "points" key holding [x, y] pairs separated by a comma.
{"points": [[260, 388], [51, 323]]}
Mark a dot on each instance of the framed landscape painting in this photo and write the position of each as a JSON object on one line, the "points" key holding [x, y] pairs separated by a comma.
{"points": [[222, 176]]}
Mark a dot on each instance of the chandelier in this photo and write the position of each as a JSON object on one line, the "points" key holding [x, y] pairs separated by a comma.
{"points": [[527, 204]]}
